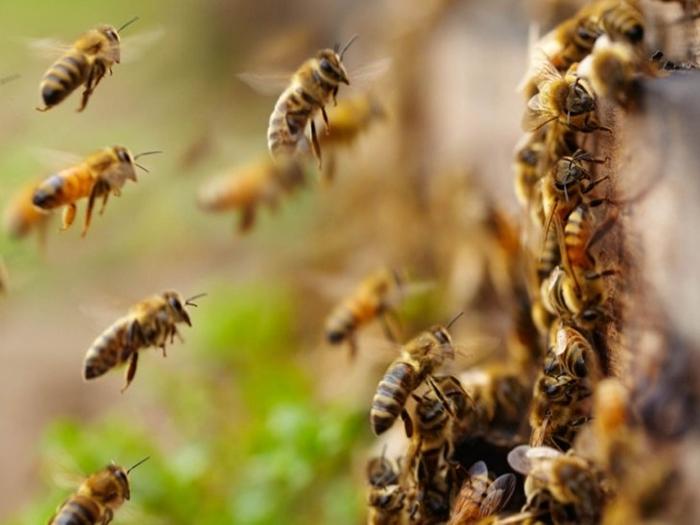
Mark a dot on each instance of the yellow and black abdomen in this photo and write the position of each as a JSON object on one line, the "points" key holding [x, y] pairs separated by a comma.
{"points": [[288, 121], [78, 510], [400, 380], [349, 316], [109, 349], [63, 77], [63, 188]]}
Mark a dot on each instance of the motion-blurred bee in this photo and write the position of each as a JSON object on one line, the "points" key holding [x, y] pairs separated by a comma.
{"points": [[101, 174], [374, 298], [22, 216], [88, 60], [351, 118], [611, 69], [250, 186], [97, 499], [149, 323], [419, 357], [386, 497], [313, 85], [564, 99], [480, 497]]}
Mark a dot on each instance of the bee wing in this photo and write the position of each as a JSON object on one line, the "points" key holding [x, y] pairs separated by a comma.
{"points": [[133, 47], [363, 75], [519, 461], [497, 495], [272, 83], [47, 48], [544, 71], [536, 115], [54, 160]]}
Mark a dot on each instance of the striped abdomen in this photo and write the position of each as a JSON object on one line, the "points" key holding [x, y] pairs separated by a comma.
{"points": [[78, 510], [109, 349], [350, 315], [240, 189], [63, 77], [65, 187], [288, 121], [549, 257], [400, 379]]}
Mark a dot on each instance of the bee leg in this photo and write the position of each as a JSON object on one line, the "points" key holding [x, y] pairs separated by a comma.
{"points": [[109, 516], [105, 198], [335, 94], [314, 141], [389, 327], [131, 371], [407, 423], [68, 216], [162, 349], [325, 119], [352, 345], [88, 90], [328, 172], [247, 219], [97, 189]]}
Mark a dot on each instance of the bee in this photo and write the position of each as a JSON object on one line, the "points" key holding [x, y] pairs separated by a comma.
{"points": [[419, 357], [577, 356], [386, 497], [88, 60], [480, 497], [247, 187], [374, 298], [620, 20], [611, 70], [101, 174], [313, 85], [562, 99], [150, 322], [97, 498], [22, 216], [571, 41], [350, 118], [527, 166]]}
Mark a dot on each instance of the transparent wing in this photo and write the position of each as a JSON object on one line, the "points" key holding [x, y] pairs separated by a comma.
{"points": [[54, 160], [272, 83], [46, 48], [519, 461], [366, 73], [497, 495], [536, 115], [133, 47], [543, 69]]}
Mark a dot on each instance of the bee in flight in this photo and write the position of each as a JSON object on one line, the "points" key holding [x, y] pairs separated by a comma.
{"points": [[480, 497], [22, 215], [313, 85], [152, 322], [85, 63], [375, 297], [101, 174], [245, 188], [97, 498]]}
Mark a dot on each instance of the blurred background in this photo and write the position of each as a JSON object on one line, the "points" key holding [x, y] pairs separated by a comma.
{"points": [[253, 419]]}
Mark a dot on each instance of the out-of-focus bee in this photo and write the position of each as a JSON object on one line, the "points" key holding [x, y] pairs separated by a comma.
{"points": [[419, 358], [313, 85], [97, 499], [431, 496], [386, 497], [351, 118], [374, 298], [611, 69], [570, 479], [22, 216], [620, 19], [245, 188], [576, 356], [563, 99], [480, 497], [527, 167], [101, 174], [151, 322], [88, 60]]}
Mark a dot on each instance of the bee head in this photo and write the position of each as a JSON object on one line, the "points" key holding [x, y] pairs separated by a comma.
{"points": [[123, 154], [120, 477], [331, 67], [176, 304], [112, 50]]}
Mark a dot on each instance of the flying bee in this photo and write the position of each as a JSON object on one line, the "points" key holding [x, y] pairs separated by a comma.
{"points": [[22, 216], [480, 497], [88, 60], [562, 99], [97, 498], [611, 69], [386, 497], [151, 322], [419, 358], [313, 85], [101, 174], [351, 118], [245, 188], [375, 298]]}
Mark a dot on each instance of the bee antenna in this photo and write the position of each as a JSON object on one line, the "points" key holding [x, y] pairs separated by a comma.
{"points": [[336, 47], [154, 152], [460, 314], [139, 463], [189, 302], [127, 24], [142, 167], [345, 48], [10, 78]]}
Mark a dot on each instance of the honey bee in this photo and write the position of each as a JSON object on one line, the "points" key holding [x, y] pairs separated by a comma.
{"points": [[375, 297], [150, 322], [97, 498], [480, 497], [101, 174], [419, 357], [386, 497], [620, 19], [527, 167], [563, 99], [351, 117], [611, 69], [247, 187], [313, 85], [88, 60], [577, 356], [22, 216]]}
